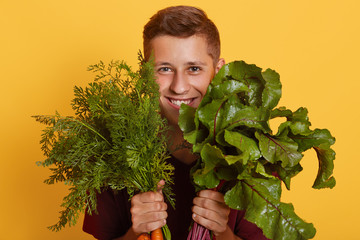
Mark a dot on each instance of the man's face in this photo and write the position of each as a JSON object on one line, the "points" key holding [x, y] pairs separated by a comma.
{"points": [[183, 69]]}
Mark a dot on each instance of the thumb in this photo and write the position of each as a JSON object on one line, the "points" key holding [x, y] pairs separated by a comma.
{"points": [[160, 185]]}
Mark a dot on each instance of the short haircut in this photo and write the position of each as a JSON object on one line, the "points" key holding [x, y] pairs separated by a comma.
{"points": [[183, 22]]}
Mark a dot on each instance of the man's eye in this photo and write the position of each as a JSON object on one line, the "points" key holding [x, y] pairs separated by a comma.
{"points": [[164, 69], [194, 69]]}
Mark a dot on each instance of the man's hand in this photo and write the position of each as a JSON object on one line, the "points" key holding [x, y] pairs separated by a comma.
{"points": [[210, 211], [148, 211]]}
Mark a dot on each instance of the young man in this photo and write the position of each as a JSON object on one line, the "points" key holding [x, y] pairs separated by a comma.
{"points": [[186, 48]]}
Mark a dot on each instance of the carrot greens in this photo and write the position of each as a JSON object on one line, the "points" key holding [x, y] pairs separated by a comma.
{"points": [[116, 139]]}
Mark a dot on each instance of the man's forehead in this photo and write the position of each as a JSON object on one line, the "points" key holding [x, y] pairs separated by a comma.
{"points": [[166, 39], [187, 51]]}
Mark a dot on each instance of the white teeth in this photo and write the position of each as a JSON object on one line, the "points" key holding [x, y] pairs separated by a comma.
{"points": [[179, 102]]}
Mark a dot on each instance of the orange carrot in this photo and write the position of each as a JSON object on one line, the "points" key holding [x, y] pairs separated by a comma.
{"points": [[157, 234], [144, 236]]}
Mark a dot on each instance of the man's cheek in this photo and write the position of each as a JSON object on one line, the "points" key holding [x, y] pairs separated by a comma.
{"points": [[157, 79]]}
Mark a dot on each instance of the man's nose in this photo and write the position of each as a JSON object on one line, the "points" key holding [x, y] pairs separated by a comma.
{"points": [[180, 83]]}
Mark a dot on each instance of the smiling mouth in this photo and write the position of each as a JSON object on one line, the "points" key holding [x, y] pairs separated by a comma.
{"points": [[178, 102]]}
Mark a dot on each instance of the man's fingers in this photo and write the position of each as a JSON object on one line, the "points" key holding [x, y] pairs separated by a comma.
{"points": [[209, 223], [210, 204], [148, 207], [151, 226], [148, 197], [150, 217], [148, 210], [205, 213], [216, 196], [211, 211]]}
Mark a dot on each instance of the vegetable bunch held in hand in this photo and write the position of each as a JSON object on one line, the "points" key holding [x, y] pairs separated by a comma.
{"points": [[115, 140], [231, 133]]}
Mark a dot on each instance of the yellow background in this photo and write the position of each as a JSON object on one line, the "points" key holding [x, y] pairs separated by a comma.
{"points": [[46, 46]]}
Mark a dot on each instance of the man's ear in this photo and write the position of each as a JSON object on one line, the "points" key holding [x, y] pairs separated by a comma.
{"points": [[219, 65]]}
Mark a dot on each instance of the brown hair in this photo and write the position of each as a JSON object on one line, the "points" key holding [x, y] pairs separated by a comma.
{"points": [[182, 21]]}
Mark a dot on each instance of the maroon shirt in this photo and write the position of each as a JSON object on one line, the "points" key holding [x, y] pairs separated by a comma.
{"points": [[114, 218]]}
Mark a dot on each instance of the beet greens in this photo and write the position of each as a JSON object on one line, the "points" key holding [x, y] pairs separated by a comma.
{"points": [[231, 133]]}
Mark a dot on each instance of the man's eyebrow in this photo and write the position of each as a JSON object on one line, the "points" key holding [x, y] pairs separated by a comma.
{"points": [[162, 64], [196, 63], [190, 63]]}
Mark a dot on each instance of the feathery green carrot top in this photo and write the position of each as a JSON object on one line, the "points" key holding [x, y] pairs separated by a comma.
{"points": [[116, 139]]}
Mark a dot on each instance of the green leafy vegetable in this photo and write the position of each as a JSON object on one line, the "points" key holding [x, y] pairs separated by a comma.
{"points": [[230, 131], [115, 140]]}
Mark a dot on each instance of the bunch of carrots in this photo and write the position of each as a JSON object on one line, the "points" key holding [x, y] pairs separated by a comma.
{"points": [[155, 235]]}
